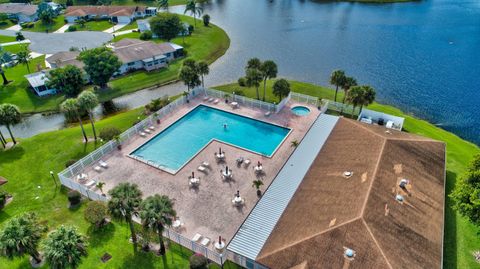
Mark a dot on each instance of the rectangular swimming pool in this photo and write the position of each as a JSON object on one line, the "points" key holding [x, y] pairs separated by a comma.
{"points": [[171, 149]]}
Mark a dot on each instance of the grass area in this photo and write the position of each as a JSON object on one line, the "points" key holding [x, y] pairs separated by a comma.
{"points": [[130, 26], [206, 43], [7, 23], [95, 26], [461, 236], [39, 26], [15, 48], [17, 92], [5, 39], [27, 167]]}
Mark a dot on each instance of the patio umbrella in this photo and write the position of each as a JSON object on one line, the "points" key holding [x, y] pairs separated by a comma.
{"points": [[238, 193], [3, 181], [219, 150]]}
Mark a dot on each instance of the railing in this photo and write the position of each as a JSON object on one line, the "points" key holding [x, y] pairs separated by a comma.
{"points": [[283, 103], [303, 98], [245, 101], [342, 108]]}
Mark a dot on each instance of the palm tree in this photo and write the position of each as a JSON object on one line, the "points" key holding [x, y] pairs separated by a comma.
{"points": [[163, 4], [368, 96], [257, 183], [5, 57], [253, 79], [281, 88], [337, 78], [10, 115], [87, 101], [254, 63], [355, 96], [3, 140], [24, 57], [269, 70], [347, 84], [194, 10], [65, 247], [70, 108], [21, 235], [156, 213], [126, 199], [203, 70]]}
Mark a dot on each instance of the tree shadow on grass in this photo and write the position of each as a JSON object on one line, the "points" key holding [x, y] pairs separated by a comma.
{"points": [[12, 154], [450, 232], [139, 260], [100, 236]]}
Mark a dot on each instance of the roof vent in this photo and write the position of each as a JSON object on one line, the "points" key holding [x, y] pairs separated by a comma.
{"points": [[399, 198], [347, 174], [349, 253]]}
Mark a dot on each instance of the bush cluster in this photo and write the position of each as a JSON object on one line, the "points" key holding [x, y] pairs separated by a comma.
{"points": [[157, 104], [242, 82], [109, 133], [72, 28], [27, 25], [147, 35], [198, 261], [3, 198], [74, 197]]}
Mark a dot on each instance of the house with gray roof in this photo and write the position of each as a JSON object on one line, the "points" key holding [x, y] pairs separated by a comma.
{"points": [[21, 12]]}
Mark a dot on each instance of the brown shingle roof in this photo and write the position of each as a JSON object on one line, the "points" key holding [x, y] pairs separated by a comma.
{"points": [[329, 211], [101, 10], [130, 50], [64, 58], [16, 8]]}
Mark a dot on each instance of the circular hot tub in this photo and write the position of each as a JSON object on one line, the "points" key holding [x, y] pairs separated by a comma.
{"points": [[300, 110]]}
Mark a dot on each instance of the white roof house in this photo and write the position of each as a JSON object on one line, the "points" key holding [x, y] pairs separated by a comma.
{"points": [[38, 82]]}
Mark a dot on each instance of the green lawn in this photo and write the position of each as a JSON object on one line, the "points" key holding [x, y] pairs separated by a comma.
{"points": [[15, 48], [17, 92], [5, 39], [95, 26], [461, 237], [130, 26], [52, 27]]}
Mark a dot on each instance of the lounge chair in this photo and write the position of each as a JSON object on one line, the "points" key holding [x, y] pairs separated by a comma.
{"points": [[205, 98], [210, 99], [147, 131], [142, 134], [247, 162], [206, 164], [240, 160], [202, 168], [90, 183], [103, 164], [205, 241], [151, 128], [196, 237], [97, 168], [268, 113], [216, 101]]}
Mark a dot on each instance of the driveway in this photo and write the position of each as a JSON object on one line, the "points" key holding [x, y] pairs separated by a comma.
{"points": [[56, 42]]}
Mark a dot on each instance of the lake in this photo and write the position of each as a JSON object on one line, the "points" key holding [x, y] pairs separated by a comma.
{"points": [[423, 57]]}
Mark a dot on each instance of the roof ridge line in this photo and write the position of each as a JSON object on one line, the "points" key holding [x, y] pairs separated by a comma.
{"points": [[311, 236], [374, 175], [376, 242]]}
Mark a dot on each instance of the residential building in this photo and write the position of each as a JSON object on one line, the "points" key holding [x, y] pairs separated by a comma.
{"points": [[21, 12], [137, 54], [38, 82], [62, 59], [117, 14]]}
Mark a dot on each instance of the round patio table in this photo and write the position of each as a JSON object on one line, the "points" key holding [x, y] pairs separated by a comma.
{"points": [[194, 181], [219, 246], [227, 174]]}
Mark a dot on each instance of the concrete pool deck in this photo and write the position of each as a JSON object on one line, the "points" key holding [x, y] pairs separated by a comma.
{"points": [[208, 209]]}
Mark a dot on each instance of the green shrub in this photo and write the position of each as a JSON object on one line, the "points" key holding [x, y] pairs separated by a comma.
{"points": [[70, 163], [27, 25], [3, 198], [190, 29], [239, 93], [242, 82], [72, 28], [157, 104], [96, 212], [74, 197], [147, 35], [108, 133], [198, 261]]}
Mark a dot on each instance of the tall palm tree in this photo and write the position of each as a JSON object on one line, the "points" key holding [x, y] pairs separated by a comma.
{"points": [[70, 108], [337, 78], [368, 96], [5, 57], [194, 9], [24, 57], [253, 79], [163, 4], [157, 212], [254, 63], [269, 70], [126, 199], [347, 84], [21, 235], [65, 247], [355, 97], [10, 115], [87, 101], [203, 70], [2, 140]]}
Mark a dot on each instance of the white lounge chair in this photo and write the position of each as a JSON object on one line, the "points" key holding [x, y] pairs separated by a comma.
{"points": [[196, 237], [205, 241], [205, 98], [97, 168], [103, 164], [206, 164], [202, 168], [151, 128], [247, 162], [142, 134], [90, 183], [210, 99], [216, 101], [147, 131], [268, 113]]}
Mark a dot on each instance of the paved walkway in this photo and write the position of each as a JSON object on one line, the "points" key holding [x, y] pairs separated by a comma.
{"points": [[123, 32], [63, 28], [15, 43], [35, 55], [115, 28], [15, 28]]}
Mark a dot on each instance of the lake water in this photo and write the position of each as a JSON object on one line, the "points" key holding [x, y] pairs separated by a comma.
{"points": [[423, 57]]}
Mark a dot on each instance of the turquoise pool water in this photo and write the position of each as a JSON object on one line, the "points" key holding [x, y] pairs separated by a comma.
{"points": [[175, 146], [300, 110]]}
